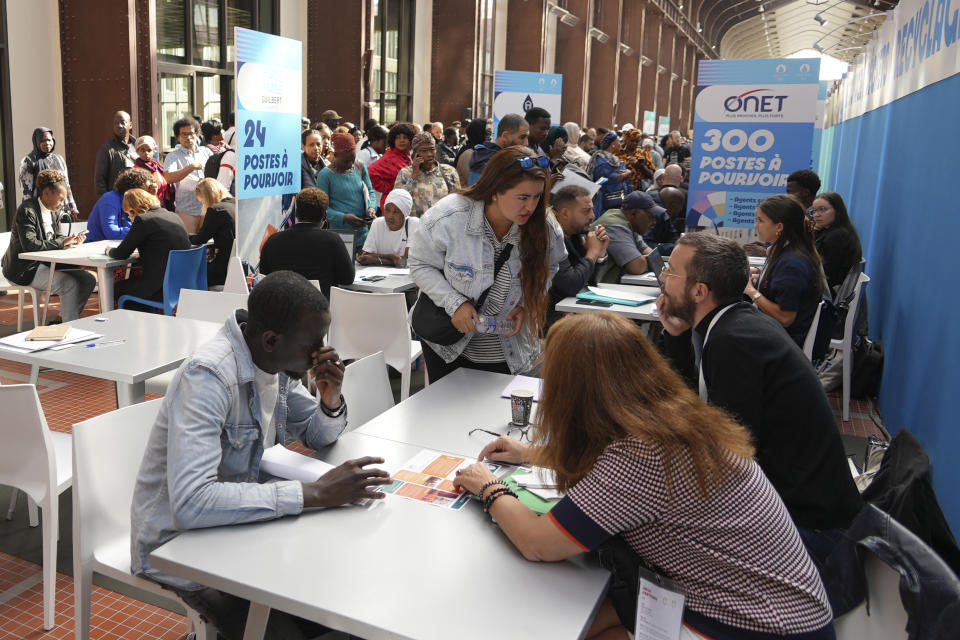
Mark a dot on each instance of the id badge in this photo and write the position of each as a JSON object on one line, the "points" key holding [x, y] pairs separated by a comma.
{"points": [[659, 607]]}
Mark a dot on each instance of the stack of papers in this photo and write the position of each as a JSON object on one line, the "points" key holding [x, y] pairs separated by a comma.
{"points": [[616, 296], [366, 272], [540, 482], [281, 462], [19, 341]]}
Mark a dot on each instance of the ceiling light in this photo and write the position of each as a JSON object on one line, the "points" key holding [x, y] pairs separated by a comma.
{"points": [[645, 61], [819, 18]]}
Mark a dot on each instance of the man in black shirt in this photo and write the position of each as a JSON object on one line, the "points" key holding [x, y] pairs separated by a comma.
{"points": [[573, 210], [116, 154], [750, 367], [307, 248]]}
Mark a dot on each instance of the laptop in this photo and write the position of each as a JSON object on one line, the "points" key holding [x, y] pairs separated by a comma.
{"points": [[349, 237], [655, 261]]}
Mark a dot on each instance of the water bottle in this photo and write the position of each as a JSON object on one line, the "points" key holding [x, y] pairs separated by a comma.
{"points": [[490, 324]]}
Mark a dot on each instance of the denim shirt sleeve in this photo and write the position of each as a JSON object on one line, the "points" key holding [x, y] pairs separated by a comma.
{"points": [[307, 422], [198, 498], [426, 261]]}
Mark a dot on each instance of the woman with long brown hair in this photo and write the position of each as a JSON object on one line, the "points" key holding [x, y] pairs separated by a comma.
{"points": [[453, 256], [639, 455], [791, 284]]}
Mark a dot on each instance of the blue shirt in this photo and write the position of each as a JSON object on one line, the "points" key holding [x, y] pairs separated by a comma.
{"points": [[201, 467], [108, 221], [347, 192], [792, 285]]}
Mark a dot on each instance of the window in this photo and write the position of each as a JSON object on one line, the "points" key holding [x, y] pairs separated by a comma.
{"points": [[196, 54], [486, 23], [392, 64]]}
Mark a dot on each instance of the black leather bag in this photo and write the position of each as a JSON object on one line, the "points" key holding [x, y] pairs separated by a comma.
{"points": [[432, 323]]}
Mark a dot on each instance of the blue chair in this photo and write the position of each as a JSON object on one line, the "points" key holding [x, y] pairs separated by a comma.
{"points": [[186, 269]]}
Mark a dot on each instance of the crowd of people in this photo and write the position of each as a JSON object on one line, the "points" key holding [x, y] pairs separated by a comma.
{"points": [[714, 455]]}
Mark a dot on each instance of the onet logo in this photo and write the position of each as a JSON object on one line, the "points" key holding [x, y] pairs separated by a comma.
{"points": [[748, 103]]}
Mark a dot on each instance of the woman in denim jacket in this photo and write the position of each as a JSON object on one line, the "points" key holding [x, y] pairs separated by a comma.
{"points": [[452, 258]]}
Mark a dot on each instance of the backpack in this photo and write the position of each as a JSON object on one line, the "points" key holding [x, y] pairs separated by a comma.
{"points": [[867, 369], [211, 169]]}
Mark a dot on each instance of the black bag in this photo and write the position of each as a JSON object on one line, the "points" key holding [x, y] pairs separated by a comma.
{"points": [[867, 369], [613, 199], [211, 168], [432, 323]]}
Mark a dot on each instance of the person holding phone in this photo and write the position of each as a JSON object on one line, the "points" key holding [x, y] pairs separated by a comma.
{"points": [[427, 180], [37, 228], [353, 204]]}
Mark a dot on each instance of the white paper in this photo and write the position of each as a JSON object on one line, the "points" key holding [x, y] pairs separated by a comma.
{"points": [[524, 382], [573, 178], [545, 494], [281, 462], [659, 612], [757, 261], [366, 272], [620, 293], [19, 342], [539, 477]]}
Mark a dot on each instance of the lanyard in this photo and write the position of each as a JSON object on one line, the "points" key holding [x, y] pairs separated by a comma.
{"points": [[703, 384]]}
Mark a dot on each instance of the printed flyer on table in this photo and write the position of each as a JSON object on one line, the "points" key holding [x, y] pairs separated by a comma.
{"points": [[428, 477]]}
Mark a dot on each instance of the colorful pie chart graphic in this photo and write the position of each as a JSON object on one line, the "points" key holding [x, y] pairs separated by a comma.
{"points": [[708, 209]]}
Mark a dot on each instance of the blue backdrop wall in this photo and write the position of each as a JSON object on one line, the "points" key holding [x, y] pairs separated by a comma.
{"points": [[897, 169]]}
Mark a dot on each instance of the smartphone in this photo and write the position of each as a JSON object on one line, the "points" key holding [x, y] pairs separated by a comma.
{"points": [[594, 303]]}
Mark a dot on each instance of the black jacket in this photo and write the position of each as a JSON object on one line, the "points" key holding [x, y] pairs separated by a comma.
{"points": [[219, 223], [314, 253], [756, 372], [113, 156], [154, 234], [839, 250], [576, 272], [28, 235]]}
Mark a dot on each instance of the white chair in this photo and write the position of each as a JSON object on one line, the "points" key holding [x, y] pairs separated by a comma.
{"points": [[364, 323], [195, 304], [36, 295], [236, 281], [812, 333], [844, 345], [366, 389], [102, 494], [38, 462], [887, 619]]}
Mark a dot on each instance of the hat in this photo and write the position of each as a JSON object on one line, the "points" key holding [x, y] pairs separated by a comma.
{"points": [[658, 173], [330, 114], [607, 140], [142, 140], [402, 199], [343, 142], [627, 127], [642, 200]]}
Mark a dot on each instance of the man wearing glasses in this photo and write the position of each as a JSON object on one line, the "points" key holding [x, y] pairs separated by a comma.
{"points": [[626, 228], [743, 361], [188, 154]]}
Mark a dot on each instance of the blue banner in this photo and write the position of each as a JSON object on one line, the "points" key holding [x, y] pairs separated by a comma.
{"points": [[520, 91], [753, 126]]}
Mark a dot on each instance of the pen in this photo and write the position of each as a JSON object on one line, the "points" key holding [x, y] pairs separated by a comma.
{"points": [[91, 345]]}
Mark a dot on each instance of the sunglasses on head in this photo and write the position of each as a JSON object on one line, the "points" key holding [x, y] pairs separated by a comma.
{"points": [[528, 162]]}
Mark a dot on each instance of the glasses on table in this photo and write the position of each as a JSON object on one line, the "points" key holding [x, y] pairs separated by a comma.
{"points": [[523, 437], [528, 162]]}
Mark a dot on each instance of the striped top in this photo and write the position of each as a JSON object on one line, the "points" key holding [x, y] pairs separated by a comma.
{"points": [[487, 347], [736, 555]]}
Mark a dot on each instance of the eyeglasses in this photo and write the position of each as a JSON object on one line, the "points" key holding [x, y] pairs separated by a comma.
{"points": [[821, 209], [528, 162], [524, 432], [666, 273]]}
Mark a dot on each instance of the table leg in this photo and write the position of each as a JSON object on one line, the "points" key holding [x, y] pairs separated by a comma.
{"points": [[105, 284], [128, 394], [46, 307], [256, 621], [34, 374]]}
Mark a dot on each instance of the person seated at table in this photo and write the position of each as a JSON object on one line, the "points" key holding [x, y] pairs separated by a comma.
{"points": [[668, 227], [388, 241], [626, 228], [835, 237], [154, 232], [308, 248], [573, 211], [219, 222], [791, 284], [452, 258], [107, 220], [237, 395], [639, 456], [36, 227], [754, 371]]}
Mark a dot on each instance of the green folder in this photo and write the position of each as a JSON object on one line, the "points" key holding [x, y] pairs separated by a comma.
{"points": [[531, 500], [590, 295]]}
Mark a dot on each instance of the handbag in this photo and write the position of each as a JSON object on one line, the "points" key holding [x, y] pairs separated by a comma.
{"points": [[433, 324]]}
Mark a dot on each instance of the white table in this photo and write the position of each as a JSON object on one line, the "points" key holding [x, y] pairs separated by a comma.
{"points": [[392, 283], [89, 255], [152, 345], [646, 312], [441, 415], [640, 279], [400, 569]]}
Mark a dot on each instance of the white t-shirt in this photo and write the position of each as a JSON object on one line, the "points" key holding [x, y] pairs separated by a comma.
{"points": [[381, 240], [47, 217], [268, 390]]}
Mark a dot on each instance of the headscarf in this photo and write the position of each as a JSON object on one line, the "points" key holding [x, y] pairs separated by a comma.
{"points": [[402, 199], [639, 155], [39, 157], [556, 131], [602, 145], [573, 132]]}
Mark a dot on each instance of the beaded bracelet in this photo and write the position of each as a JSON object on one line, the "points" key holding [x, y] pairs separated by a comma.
{"points": [[496, 493], [487, 486]]}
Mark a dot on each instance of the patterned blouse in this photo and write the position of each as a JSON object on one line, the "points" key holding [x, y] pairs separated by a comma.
{"points": [[429, 187]]}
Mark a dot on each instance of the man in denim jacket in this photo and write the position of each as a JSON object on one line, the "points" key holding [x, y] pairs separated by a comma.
{"points": [[201, 467]]}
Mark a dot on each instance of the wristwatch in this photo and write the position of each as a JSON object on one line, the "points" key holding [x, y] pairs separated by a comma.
{"points": [[757, 296], [602, 259]]}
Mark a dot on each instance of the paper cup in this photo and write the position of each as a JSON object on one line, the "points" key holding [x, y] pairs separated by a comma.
{"points": [[521, 404]]}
